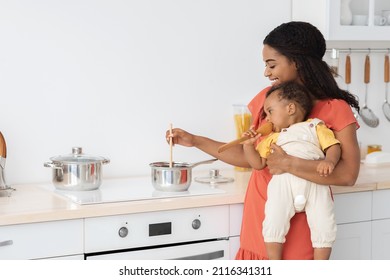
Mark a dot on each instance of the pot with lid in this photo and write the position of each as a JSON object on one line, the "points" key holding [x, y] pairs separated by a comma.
{"points": [[77, 171]]}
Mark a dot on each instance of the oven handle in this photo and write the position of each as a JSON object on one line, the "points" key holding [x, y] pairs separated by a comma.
{"points": [[207, 256]]}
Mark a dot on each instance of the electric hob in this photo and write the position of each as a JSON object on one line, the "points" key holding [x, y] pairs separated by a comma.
{"points": [[131, 189]]}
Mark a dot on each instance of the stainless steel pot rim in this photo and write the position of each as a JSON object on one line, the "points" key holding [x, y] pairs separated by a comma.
{"points": [[79, 159], [165, 165]]}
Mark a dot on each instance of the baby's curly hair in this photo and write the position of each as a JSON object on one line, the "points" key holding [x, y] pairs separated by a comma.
{"points": [[296, 93]]}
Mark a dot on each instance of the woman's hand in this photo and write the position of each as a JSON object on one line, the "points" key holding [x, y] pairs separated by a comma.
{"points": [[180, 137], [278, 161]]}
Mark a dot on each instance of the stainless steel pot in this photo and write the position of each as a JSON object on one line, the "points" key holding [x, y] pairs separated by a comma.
{"points": [[175, 178], [77, 171]]}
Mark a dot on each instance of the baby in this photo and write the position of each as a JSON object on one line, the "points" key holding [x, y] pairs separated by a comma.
{"points": [[287, 107]]}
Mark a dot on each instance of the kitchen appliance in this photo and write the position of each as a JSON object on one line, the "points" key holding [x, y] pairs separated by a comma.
{"points": [[129, 189], [194, 233], [77, 171], [175, 176]]}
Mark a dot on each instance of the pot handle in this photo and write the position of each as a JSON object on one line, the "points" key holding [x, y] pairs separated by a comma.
{"points": [[203, 162], [105, 161], [53, 165]]}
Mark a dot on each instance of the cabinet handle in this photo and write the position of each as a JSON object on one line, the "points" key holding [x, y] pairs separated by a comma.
{"points": [[6, 243]]}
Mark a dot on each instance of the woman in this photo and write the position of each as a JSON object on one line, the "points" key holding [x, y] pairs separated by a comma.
{"points": [[292, 52]]}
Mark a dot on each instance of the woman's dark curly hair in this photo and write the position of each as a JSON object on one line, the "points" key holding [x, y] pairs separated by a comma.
{"points": [[303, 44], [296, 93]]}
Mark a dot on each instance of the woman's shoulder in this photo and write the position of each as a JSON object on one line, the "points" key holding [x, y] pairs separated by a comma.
{"points": [[336, 113]]}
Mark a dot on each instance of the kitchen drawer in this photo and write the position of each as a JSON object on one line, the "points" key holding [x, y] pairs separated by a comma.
{"points": [[41, 240], [380, 204], [353, 207], [156, 228]]}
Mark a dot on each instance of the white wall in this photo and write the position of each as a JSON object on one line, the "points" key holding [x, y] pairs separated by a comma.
{"points": [[110, 75]]}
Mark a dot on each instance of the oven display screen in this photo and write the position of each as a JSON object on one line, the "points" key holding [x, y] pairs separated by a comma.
{"points": [[160, 229]]}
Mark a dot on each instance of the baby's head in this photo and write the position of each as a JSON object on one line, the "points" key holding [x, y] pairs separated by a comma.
{"points": [[287, 103]]}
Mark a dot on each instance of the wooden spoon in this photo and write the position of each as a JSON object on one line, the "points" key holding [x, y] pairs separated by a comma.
{"points": [[264, 129], [170, 147]]}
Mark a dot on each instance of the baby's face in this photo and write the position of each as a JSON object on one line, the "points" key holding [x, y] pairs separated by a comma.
{"points": [[277, 111]]}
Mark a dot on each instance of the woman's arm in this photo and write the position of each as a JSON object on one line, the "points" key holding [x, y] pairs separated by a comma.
{"points": [[234, 156], [345, 173]]}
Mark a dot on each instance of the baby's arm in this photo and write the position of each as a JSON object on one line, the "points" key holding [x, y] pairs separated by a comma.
{"points": [[332, 156], [253, 157], [251, 154]]}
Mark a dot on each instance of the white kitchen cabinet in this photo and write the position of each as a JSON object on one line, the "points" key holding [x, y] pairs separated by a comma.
{"points": [[353, 242], [381, 240], [325, 14], [41, 240], [353, 207], [235, 219], [381, 225], [353, 217]]}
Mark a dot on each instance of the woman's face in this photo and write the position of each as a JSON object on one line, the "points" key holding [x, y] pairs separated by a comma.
{"points": [[278, 68]]}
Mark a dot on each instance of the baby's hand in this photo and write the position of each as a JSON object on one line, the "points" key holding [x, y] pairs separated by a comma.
{"points": [[252, 136], [325, 168]]}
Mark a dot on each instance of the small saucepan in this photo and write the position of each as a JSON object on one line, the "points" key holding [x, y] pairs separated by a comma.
{"points": [[175, 178]]}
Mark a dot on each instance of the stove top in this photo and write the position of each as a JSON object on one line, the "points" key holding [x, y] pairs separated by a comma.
{"points": [[131, 189]]}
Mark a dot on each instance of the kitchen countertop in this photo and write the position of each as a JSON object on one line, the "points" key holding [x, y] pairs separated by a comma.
{"points": [[32, 203]]}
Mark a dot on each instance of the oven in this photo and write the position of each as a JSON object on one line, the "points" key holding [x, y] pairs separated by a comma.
{"points": [[193, 234]]}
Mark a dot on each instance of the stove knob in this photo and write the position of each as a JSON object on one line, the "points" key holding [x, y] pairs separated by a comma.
{"points": [[196, 224], [123, 232]]}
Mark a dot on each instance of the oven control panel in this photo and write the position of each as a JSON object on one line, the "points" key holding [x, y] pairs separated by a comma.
{"points": [[156, 228]]}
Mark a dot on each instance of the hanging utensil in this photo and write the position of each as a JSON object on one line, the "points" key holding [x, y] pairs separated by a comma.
{"points": [[386, 105], [348, 79], [366, 113]]}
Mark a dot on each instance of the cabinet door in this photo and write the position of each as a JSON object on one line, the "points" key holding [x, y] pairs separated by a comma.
{"points": [[381, 240], [326, 16], [234, 245], [353, 242], [235, 219], [41, 240]]}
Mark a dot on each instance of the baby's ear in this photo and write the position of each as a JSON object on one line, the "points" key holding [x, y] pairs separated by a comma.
{"points": [[291, 108]]}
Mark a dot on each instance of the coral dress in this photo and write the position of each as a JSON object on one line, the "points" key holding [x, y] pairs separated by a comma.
{"points": [[336, 114]]}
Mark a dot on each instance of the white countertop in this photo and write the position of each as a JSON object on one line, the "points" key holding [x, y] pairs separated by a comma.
{"points": [[34, 203]]}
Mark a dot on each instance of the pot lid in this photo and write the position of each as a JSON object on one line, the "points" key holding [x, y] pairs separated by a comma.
{"points": [[77, 156]]}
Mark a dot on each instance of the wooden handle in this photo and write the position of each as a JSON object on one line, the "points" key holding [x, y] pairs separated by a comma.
{"points": [[367, 69], [264, 129], [348, 69], [3, 146], [387, 77], [170, 147]]}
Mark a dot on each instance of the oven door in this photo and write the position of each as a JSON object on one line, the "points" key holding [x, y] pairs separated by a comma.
{"points": [[205, 250]]}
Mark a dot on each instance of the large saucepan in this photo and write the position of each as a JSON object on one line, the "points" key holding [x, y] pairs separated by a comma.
{"points": [[77, 171], [175, 178]]}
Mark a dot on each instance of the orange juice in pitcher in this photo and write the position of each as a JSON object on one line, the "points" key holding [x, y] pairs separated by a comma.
{"points": [[242, 122]]}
